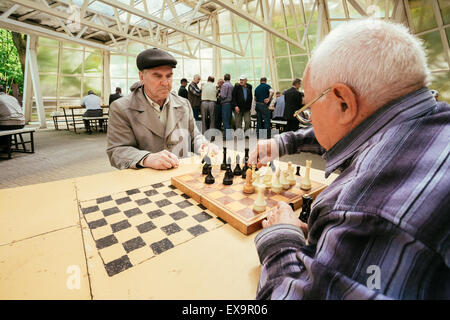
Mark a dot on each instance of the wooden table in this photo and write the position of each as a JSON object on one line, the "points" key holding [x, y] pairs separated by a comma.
{"points": [[47, 251], [71, 108]]}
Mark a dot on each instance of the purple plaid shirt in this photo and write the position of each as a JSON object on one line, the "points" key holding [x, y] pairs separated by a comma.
{"points": [[381, 229]]}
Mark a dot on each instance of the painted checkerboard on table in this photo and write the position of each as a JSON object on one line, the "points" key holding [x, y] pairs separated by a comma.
{"points": [[133, 226], [230, 202]]}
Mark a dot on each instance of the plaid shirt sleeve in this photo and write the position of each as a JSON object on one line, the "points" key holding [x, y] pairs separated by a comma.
{"points": [[302, 140]]}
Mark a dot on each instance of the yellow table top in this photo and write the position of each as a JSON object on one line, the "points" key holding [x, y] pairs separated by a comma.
{"points": [[47, 251]]}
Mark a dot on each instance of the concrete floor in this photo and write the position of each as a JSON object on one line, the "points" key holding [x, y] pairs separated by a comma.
{"points": [[63, 154]]}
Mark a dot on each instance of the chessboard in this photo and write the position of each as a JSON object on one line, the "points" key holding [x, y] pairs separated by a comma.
{"points": [[135, 225], [230, 203]]}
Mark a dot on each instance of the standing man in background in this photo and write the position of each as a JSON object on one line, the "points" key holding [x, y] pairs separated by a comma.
{"points": [[93, 106], [226, 97], [115, 96], [242, 102], [293, 101], [208, 105], [263, 95], [182, 92], [195, 96], [218, 120]]}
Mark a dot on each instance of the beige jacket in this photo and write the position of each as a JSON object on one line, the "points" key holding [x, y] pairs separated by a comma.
{"points": [[134, 129]]}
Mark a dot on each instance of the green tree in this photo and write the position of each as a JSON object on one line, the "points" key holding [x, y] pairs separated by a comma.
{"points": [[11, 68]]}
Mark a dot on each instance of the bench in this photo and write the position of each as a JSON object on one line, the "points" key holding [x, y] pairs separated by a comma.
{"points": [[279, 124], [96, 121], [13, 136]]}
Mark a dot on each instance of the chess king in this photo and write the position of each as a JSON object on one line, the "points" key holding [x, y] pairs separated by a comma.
{"points": [[152, 127], [374, 118]]}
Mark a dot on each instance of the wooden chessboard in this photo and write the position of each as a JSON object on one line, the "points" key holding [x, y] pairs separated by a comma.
{"points": [[230, 202]]}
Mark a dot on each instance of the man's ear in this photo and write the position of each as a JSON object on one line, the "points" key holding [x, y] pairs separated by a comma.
{"points": [[141, 76], [348, 105]]}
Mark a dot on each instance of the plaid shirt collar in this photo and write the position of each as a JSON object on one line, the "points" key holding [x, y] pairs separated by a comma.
{"points": [[407, 107]]}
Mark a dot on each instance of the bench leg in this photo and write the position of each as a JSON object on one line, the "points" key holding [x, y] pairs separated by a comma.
{"points": [[32, 141], [8, 148], [22, 143]]}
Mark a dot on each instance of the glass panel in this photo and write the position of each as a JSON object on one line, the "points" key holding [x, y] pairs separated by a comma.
{"points": [[422, 15], [178, 71], [336, 9], [278, 17], [94, 84], [226, 40], [135, 48], [224, 22], [67, 44], [93, 63], [283, 68], [241, 24], [441, 83], [48, 85], [258, 69], [245, 67], [435, 50], [47, 59], [444, 5], [279, 47], [292, 34], [334, 24], [118, 66], [206, 53], [191, 68], [207, 69], [299, 65], [71, 61], [257, 44], [228, 67], [288, 14], [121, 83], [132, 68], [70, 87], [48, 42], [283, 85], [130, 82]]}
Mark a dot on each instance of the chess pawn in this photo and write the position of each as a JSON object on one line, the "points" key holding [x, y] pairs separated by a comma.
{"points": [[253, 172], [237, 170], [268, 177], [283, 180], [256, 177], [223, 166], [306, 182], [260, 201], [248, 187], [209, 179], [277, 186], [298, 171], [291, 177]]}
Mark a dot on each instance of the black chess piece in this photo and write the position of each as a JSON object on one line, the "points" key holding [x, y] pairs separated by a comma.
{"points": [[306, 208], [228, 177], [207, 161], [272, 166], [237, 170], [298, 171], [209, 179], [223, 166]]}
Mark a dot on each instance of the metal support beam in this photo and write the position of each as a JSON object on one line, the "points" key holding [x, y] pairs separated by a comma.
{"points": [[265, 26]]}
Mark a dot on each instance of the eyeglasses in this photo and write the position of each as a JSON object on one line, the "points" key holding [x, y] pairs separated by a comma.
{"points": [[304, 113]]}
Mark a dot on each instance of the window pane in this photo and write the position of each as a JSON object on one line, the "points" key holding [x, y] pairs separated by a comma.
{"points": [[48, 86], [422, 15], [70, 87], [283, 85], [94, 84], [293, 35], [440, 83], [228, 67], [121, 83], [245, 67], [336, 9], [226, 40], [207, 69], [67, 44], [224, 22], [48, 42], [191, 68], [132, 68], [47, 59], [444, 5], [258, 69], [118, 66], [257, 43], [279, 47], [299, 65], [71, 61], [93, 63], [283, 68], [435, 50]]}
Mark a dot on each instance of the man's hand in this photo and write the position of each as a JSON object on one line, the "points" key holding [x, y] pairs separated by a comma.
{"points": [[265, 151], [161, 161], [266, 100], [236, 109], [283, 213], [209, 149]]}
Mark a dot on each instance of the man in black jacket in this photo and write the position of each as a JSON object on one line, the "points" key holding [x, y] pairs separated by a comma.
{"points": [[293, 101], [242, 102], [182, 92], [115, 96]]}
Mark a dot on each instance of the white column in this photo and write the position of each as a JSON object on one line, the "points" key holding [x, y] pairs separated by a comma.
{"points": [[33, 71], [217, 56], [106, 79]]}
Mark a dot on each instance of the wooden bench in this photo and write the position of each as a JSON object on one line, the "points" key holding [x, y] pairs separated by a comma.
{"points": [[96, 121], [13, 136]]}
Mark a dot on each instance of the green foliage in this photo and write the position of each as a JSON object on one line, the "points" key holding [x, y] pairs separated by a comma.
{"points": [[10, 68]]}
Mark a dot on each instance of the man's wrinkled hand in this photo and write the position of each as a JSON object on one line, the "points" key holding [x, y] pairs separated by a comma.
{"points": [[283, 213], [162, 160], [209, 149], [265, 151]]}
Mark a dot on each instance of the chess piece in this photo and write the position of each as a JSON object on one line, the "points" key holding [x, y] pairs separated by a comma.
{"points": [[244, 169], [209, 179], [298, 171], [207, 161], [256, 177], [248, 187], [306, 182], [228, 177], [306, 208], [260, 202], [268, 177], [237, 170], [223, 166], [283, 180], [277, 186], [291, 177], [253, 172]]}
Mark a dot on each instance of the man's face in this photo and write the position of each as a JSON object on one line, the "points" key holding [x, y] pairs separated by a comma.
{"points": [[184, 84], [278, 95], [243, 82], [197, 80], [157, 82], [220, 82], [323, 115]]}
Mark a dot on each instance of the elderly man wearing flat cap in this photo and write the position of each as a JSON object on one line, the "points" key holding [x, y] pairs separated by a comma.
{"points": [[152, 126]]}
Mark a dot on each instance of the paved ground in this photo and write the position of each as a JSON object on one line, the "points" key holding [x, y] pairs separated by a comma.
{"points": [[62, 155]]}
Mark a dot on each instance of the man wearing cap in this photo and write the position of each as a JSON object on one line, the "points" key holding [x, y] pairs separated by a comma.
{"points": [[152, 126], [242, 102]]}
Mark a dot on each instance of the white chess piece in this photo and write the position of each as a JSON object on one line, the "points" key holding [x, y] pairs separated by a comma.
{"points": [[268, 177], [284, 182], [260, 202], [256, 178], [291, 176], [306, 181], [277, 186]]}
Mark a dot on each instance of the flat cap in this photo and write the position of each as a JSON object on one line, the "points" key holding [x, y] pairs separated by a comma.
{"points": [[152, 58]]}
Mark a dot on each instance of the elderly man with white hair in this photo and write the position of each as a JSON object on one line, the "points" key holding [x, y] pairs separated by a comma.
{"points": [[380, 230]]}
